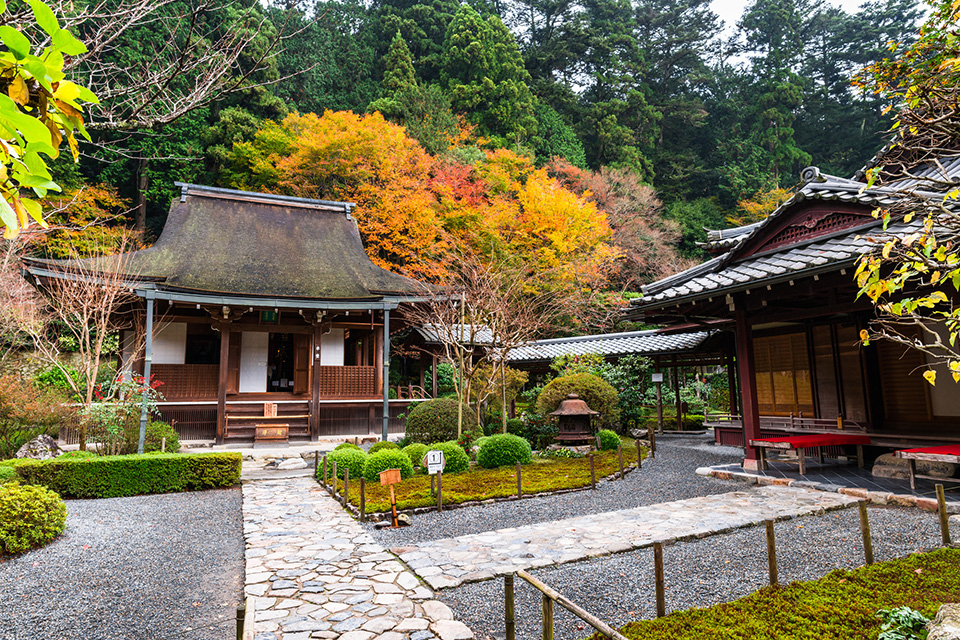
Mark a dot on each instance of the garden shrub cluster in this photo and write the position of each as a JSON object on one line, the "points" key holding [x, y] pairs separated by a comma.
{"points": [[504, 449], [7, 474], [346, 445], [609, 441], [436, 421], [353, 458], [515, 426], [383, 444], [27, 412], [455, 458], [415, 452], [386, 459], [30, 516], [596, 392], [130, 475], [843, 604], [153, 440], [70, 455]]}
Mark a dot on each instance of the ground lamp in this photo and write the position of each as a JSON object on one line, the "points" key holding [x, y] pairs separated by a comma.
{"points": [[574, 419]]}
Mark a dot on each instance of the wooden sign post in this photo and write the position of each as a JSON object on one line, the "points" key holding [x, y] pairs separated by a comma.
{"points": [[389, 478]]}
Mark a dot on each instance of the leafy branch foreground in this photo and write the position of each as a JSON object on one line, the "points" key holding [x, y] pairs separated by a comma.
{"points": [[841, 605], [539, 476]]}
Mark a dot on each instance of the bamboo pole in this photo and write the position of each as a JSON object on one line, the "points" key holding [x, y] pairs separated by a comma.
{"points": [[639, 457], [346, 486], [334, 479], [658, 579], [324, 472], [439, 490], [519, 485], [569, 605], [653, 443], [865, 531], [944, 520], [620, 460], [593, 473], [363, 500], [771, 552], [509, 610], [547, 618]]}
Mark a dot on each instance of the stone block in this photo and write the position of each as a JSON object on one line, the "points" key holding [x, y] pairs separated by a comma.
{"points": [[888, 466], [856, 492], [436, 610], [946, 624], [927, 504], [452, 630]]}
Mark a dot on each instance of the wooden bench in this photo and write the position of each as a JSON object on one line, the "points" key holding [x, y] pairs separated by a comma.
{"points": [[946, 453], [814, 440], [270, 428]]}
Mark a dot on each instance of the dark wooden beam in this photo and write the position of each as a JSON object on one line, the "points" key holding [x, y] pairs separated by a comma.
{"points": [[748, 387], [222, 381]]}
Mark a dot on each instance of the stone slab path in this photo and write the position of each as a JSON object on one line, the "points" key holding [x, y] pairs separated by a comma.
{"points": [[450, 562], [315, 573]]}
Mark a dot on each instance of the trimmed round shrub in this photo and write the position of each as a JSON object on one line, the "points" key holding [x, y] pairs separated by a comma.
{"points": [[7, 474], [436, 421], [387, 459], [609, 441], [30, 516], [455, 458], [347, 458], [415, 452], [156, 432], [594, 390], [77, 454], [479, 441], [503, 449], [346, 445], [515, 426], [380, 446]]}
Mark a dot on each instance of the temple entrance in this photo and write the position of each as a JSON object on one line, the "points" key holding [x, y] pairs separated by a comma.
{"points": [[280, 363]]}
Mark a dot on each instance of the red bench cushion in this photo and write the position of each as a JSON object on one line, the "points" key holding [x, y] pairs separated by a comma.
{"points": [[818, 440], [945, 450]]}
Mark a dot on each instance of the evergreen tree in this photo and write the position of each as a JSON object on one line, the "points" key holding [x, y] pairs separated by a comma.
{"points": [[484, 72]]}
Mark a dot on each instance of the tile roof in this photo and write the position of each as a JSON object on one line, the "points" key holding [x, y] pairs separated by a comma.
{"points": [[480, 334], [648, 342]]}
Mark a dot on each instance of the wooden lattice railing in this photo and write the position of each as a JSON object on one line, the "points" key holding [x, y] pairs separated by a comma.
{"points": [[347, 382]]}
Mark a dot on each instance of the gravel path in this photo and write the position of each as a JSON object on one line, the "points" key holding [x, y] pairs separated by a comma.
{"points": [[619, 588], [670, 476], [146, 567]]}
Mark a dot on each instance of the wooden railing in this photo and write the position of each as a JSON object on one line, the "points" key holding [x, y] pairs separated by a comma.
{"points": [[187, 381], [786, 423], [347, 382]]}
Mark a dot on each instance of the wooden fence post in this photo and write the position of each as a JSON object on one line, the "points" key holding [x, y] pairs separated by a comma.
{"points": [[771, 552], [439, 490], [334, 479], [241, 614], [316, 462], [639, 457], [593, 473], [547, 618], [324, 471], [509, 612], [519, 485], [653, 442], [865, 531], [363, 500], [944, 518], [620, 460], [658, 579], [346, 486]]}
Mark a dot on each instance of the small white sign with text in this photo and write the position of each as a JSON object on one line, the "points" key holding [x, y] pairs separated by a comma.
{"points": [[435, 462]]}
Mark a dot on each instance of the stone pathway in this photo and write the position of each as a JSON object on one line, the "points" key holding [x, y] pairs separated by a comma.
{"points": [[450, 562], [316, 574]]}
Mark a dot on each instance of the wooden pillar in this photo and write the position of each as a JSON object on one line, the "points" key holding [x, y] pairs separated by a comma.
{"points": [[315, 382], [222, 382], [676, 393], [423, 369], [732, 384], [434, 369], [748, 386], [385, 359], [378, 357]]}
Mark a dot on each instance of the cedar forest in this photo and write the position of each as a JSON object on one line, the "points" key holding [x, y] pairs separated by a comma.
{"points": [[589, 142]]}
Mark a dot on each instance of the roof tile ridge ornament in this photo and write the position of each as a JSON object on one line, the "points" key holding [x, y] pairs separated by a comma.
{"points": [[187, 188]]}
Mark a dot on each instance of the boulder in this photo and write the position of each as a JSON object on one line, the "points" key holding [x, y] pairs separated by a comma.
{"points": [[946, 624], [888, 466], [638, 434], [292, 463], [43, 447]]}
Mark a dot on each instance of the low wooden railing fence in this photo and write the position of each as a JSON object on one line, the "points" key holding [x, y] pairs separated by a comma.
{"points": [[787, 423]]}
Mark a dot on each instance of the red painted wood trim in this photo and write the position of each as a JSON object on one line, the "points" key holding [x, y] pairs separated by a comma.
{"points": [[748, 381]]}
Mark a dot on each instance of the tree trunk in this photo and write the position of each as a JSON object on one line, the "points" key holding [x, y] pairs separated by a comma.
{"points": [[143, 183]]}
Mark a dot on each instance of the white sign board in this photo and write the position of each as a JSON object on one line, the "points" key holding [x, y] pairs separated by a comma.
{"points": [[435, 462], [657, 377]]}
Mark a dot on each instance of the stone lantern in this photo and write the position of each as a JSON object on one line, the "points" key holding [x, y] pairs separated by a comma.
{"points": [[574, 418]]}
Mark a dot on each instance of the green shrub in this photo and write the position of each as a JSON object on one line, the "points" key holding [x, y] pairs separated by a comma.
{"points": [[415, 452], [346, 445], [27, 412], [562, 453], [504, 449], [515, 426], [346, 458], [436, 421], [30, 517], [387, 459], [598, 394], [455, 458], [380, 446], [130, 475], [693, 422], [609, 441], [156, 432], [7, 474], [73, 455], [479, 441]]}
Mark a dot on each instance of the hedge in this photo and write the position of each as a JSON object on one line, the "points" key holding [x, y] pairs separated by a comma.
{"points": [[115, 476], [595, 391], [347, 458], [383, 444], [347, 445], [29, 517], [436, 421], [504, 449], [387, 459], [415, 452]]}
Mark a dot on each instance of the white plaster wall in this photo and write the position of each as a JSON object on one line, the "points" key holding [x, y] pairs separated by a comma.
{"points": [[170, 343], [128, 340], [253, 361], [331, 348], [945, 395]]}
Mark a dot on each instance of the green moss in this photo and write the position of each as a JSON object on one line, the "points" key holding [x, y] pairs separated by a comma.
{"points": [[843, 604], [114, 476]]}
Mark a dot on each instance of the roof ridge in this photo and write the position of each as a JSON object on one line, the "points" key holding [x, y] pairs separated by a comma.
{"points": [[206, 190]]}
